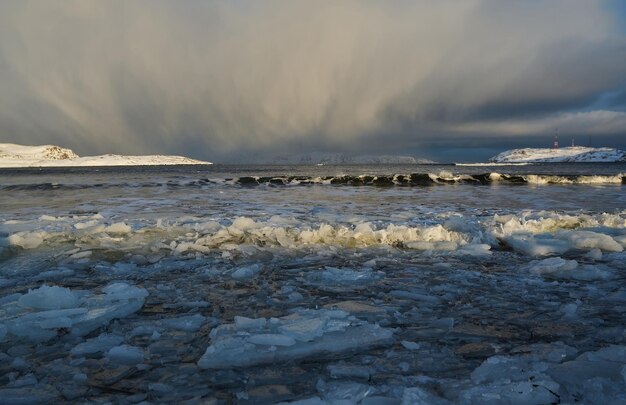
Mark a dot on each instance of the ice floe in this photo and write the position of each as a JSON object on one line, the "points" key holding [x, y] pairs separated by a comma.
{"points": [[43, 313], [569, 269], [301, 335]]}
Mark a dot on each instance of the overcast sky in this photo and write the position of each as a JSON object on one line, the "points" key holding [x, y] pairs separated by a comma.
{"points": [[229, 80]]}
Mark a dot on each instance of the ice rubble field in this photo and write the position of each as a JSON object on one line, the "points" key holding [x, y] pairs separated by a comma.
{"points": [[526, 308]]}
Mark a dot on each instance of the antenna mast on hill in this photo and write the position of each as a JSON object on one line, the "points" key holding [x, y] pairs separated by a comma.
{"points": [[555, 144]]}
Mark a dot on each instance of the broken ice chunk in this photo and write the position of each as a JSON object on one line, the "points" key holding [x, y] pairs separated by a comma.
{"points": [[57, 322], [86, 313], [243, 323], [568, 269], [125, 354], [39, 326], [27, 240], [272, 339], [594, 377], [537, 378], [20, 364], [478, 250], [243, 223], [591, 240], [295, 297], [100, 344], [304, 330], [123, 291], [519, 368], [80, 378], [511, 380], [190, 323], [313, 332], [418, 395], [410, 345], [338, 392], [80, 256], [552, 265], [54, 274], [25, 381], [243, 273], [332, 275], [119, 228], [537, 245], [48, 297], [594, 254], [535, 392]]}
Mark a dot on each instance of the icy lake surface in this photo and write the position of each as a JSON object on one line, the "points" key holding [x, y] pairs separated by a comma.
{"points": [[406, 284]]}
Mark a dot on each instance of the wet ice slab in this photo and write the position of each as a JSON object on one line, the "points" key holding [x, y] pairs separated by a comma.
{"points": [[546, 374], [303, 334], [42, 313]]}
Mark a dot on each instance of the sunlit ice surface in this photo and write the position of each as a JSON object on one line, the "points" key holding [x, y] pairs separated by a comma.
{"points": [[364, 284]]}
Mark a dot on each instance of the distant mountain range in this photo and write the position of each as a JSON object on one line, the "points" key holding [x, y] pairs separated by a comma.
{"points": [[572, 154], [13, 155], [341, 158]]}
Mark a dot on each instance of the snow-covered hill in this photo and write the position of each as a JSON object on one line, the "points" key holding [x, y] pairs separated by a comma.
{"points": [[12, 155], [569, 154]]}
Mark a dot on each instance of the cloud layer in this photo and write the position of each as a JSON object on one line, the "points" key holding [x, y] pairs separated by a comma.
{"points": [[212, 78]]}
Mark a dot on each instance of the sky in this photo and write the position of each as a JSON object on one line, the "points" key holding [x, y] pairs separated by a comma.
{"points": [[236, 81]]}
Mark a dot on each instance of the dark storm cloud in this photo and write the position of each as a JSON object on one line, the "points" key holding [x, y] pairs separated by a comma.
{"points": [[614, 99], [215, 79], [563, 76]]}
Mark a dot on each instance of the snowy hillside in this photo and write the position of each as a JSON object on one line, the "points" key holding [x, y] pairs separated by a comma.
{"points": [[569, 154], [12, 155]]}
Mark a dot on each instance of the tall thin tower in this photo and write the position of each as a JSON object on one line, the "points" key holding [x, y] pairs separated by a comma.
{"points": [[555, 144]]}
